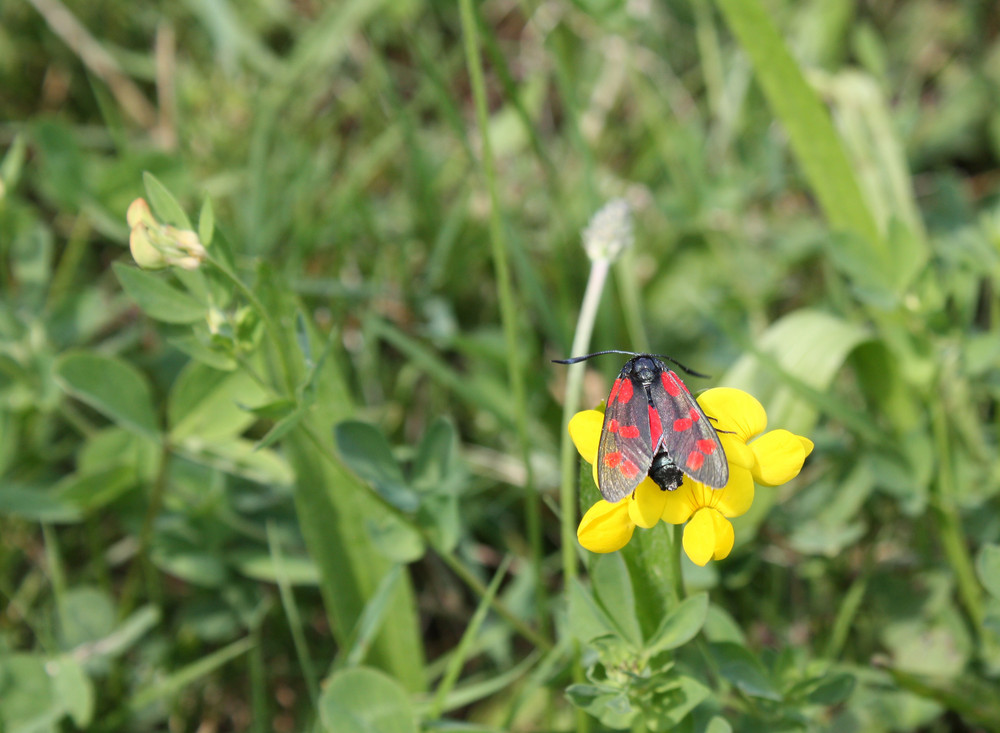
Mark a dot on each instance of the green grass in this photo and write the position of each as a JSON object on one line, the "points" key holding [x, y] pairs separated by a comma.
{"points": [[322, 482]]}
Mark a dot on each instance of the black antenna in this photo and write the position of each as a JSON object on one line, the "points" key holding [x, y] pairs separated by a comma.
{"points": [[575, 359]]}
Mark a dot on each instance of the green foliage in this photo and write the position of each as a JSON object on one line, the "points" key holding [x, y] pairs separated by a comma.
{"points": [[302, 476]]}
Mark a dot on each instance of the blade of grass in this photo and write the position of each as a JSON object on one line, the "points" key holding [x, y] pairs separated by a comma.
{"points": [[189, 674], [372, 617], [291, 609], [811, 134], [508, 307], [458, 657]]}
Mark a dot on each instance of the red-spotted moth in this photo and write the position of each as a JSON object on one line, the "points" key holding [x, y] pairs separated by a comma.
{"points": [[653, 426]]}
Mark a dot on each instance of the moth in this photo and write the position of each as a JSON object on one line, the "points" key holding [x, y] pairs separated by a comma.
{"points": [[654, 427]]}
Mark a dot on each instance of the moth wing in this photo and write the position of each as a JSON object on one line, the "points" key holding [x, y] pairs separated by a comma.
{"points": [[626, 450], [687, 433]]}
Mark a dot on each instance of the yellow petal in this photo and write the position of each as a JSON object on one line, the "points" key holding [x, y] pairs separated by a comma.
{"points": [[605, 527], [585, 430], [699, 537], [708, 536], [738, 453], [724, 537], [734, 410], [680, 504], [780, 455], [736, 497], [647, 508]]}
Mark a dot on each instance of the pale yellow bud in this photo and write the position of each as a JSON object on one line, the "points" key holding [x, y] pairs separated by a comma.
{"points": [[139, 213], [144, 253]]}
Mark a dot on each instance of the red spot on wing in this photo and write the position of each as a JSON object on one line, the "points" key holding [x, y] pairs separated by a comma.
{"points": [[630, 469], [612, 425], [706, 446], [614, 391], [682, 424], [694, 415], [611, 460], [628, 431], [695, 460], [670, 383], [655, 427], [625, 391]]}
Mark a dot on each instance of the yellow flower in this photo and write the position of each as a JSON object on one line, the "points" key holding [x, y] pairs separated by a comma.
{"points": [[770, 460]]}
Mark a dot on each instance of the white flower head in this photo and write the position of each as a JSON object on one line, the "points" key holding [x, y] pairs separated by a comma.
{"points": [[609, 232]]}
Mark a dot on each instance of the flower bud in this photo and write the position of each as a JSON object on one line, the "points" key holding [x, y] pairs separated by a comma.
{"points": [[144, 253], [155, 245], [609, 232]]}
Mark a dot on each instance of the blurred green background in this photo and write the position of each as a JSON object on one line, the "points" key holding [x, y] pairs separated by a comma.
{"points": [[814, 188]]}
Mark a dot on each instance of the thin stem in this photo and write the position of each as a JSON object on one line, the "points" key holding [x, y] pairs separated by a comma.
{"points": [[461, 653], [129, 587], [574, 381], [508, 309], [567, 452], [676, 573], [294, 618], [949, 523]]}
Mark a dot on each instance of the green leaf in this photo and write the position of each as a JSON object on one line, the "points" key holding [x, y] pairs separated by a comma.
{"points": [[73, 689], [260, 566], [366, 452], [718, 724], [689, 694], [164, 204], [111, 386], [87, 615], [613, 590], [35, 504], [365, 700], [815, 142], [157, 298], [988, 569], [587, 619], [199, 350], [27, 699], [434, 469], [91, 491], [439, 515], [680, 625], [833, 690], [395, 540], [207, 404], [742, 668], [206, 222], [195, 566]]}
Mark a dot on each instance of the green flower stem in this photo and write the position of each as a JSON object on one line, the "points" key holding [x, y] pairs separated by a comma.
{"points": [[508, 309], [574, 382], [676, 573], [567, 463], [949, 524]]}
